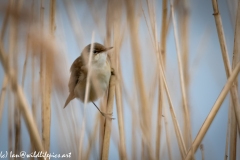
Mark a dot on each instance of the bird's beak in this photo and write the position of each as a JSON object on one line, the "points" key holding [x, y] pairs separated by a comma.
{"points": [[107, 49]]}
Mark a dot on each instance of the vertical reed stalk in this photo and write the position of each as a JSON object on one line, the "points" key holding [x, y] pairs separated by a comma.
{"points": [[33, 91], [228, 131], [161, 86], [181, 74], [32, 68], [25, 67], [137, 61], [118, 93], [27, 45], [42, 76], [46, 108], [108, 122], [164, 30], [168, 138], [8, 62], [233, 133], [114, 9], [178, 133], [13, 47], [3, 96], [221, 37], [120, 122], [134, 139], [103, 104], [159, 117], [185, 67], [10, 121]]}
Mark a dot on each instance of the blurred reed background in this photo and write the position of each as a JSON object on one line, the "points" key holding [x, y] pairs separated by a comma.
{"points": [[174, 61]]}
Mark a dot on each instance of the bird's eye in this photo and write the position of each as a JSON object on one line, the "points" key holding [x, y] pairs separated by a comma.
{"points": [[95, 51]]}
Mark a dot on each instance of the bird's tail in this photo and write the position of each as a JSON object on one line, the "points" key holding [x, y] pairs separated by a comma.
{"points": [[70, 97]]}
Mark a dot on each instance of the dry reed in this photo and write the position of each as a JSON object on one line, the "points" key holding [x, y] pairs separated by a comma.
{"points": [[22, 102], [222, 41], [182, 78], [214, 111], [108, 122], [137, 61], [3, 95], [228, 132], [235, 59]]}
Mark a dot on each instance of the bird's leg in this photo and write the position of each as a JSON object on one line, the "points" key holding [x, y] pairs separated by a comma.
{"points": [[106, 115]]}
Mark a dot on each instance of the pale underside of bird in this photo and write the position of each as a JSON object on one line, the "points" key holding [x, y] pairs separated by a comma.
{"points": [[99, 77]]}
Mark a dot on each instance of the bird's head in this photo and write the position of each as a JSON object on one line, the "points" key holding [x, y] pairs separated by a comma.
{"points": [[99, 52]]}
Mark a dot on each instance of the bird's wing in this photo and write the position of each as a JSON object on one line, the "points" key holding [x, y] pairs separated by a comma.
{"points": [[75, 73]]}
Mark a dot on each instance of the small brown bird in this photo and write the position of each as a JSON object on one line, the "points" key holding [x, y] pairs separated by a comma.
{"points": [[99, 78]]}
